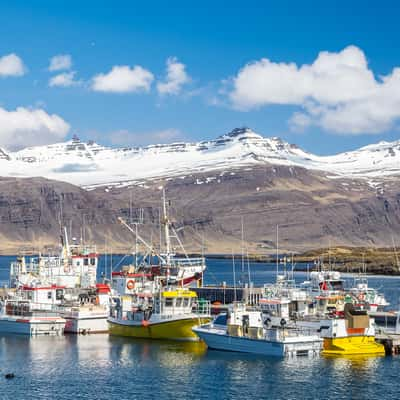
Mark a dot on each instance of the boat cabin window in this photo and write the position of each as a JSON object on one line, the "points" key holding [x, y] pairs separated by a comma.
{"points": [[178, 302], [85, 261], [336, 285], [59, 294], [186, 302], [169, 302], [92, 261], [78, 263], [221, 319], [49, 295]]}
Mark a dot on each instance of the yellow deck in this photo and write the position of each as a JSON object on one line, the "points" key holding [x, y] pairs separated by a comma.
{"points": [[171, 330], [361, 345]]}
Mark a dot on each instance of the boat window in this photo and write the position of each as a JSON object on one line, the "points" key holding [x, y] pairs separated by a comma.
{"points": [[49, 296], [78, 263], [85, 261], [186, 302], [337, 285], [221, 319], [178, 302], [168, 302], [92, 261], [59, 294]]}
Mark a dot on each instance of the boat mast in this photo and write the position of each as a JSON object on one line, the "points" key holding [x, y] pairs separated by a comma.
{"points": [[277, 251], [139, 238], [242, 277], [66, 244], [234, 277], [166, 230]]}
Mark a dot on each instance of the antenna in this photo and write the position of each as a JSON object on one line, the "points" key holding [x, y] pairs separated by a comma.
{"points": [[241, 220], [234, 277], [248, 266], [166, 223], [395, 253], [277, 251]]}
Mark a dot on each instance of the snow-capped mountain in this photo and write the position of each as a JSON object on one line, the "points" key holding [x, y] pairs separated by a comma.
{"points": [[90, 164]]}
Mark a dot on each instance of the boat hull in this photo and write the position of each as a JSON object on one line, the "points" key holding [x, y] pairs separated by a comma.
{"points": [[32, 327], [352, 345], [171, 330], [256, 346], [86, 324]]}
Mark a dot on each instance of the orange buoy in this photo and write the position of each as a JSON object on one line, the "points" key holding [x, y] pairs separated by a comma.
{"points": [[130, 284]]}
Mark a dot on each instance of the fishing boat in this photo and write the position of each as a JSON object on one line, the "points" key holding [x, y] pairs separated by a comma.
{"points": [[74, 266], [363, 292], [247, 331], [90, 315], [32, 311], [72, 273], [182, 271], [353, 334], [169, 313]]}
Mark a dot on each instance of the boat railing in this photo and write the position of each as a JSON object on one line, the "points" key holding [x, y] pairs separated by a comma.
{"points": [[188, 262], [34, 265], [82, 250], [203, 308], [26, 309], [283, 333]]}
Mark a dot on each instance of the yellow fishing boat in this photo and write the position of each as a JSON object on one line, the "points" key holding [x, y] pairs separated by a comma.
{"points": [[352, 335], [168, 314]]}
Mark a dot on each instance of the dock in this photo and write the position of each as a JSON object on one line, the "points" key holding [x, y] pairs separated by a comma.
{"points": [[391, 342]]}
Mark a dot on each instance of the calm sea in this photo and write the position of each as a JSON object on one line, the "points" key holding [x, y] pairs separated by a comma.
{"points": [[103, 367]]}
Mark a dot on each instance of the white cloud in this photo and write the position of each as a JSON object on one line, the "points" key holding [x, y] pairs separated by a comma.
{"points": [[176, 77], [125, 137], [11, 65], [60, 62], [337, 92], [25, 127], [123, 79], [65, 79]]}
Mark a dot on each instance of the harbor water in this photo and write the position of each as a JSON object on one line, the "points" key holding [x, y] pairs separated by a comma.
{"points": [[103, 367]]}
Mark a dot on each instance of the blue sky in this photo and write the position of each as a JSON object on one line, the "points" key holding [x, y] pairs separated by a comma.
{"points": [[213, 42]]}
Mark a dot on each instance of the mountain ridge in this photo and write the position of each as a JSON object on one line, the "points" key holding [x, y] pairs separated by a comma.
{"points": [[90, 164]]}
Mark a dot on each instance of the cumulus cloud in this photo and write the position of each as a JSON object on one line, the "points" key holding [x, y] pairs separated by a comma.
{"points": [[125, 137], [175, 79], [25, 127], [11, 65], [123, 79], [65, 79], [337, 92], [60, 62]]}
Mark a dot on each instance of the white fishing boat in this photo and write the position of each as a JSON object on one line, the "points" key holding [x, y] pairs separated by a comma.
{"points": [[32, 311], [74, 266], [89, 316], [246, 331], [363, 292]]}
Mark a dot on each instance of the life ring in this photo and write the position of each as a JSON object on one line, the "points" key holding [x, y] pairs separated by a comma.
{"points": [[283, 322], [130, 284], [361, 297]]}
